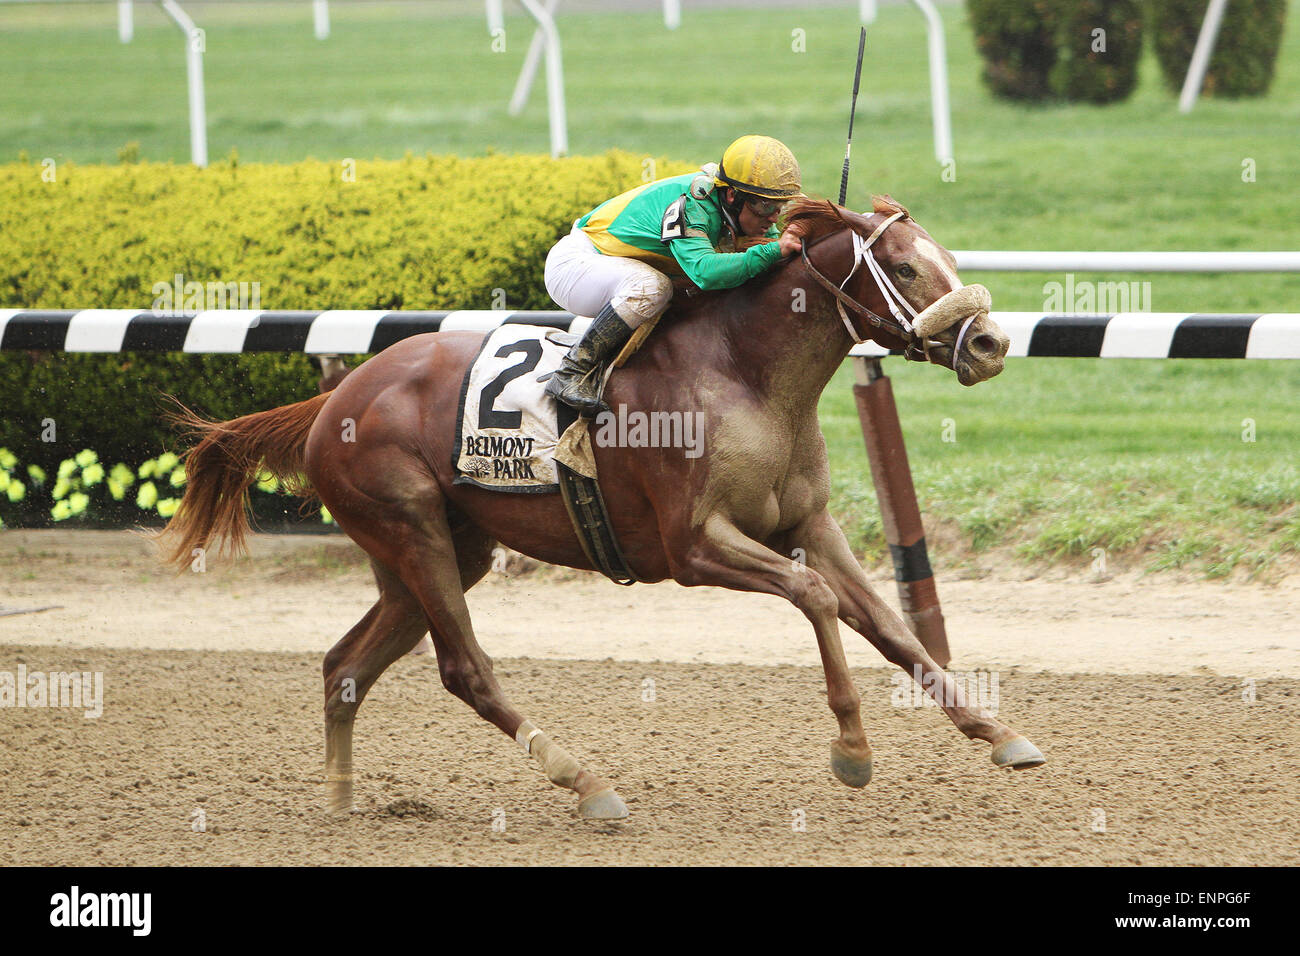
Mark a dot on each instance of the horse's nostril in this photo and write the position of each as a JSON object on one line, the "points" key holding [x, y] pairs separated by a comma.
{"points": [[984, 343]]}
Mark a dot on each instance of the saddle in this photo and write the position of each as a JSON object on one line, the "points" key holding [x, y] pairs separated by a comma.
{"points": [[513, 437]]}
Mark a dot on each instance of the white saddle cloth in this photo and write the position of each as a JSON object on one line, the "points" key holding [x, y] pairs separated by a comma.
{"points": [[507, 427]]}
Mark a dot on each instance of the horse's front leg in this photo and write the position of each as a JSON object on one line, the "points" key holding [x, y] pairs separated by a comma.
{"points": [[722, 555], [827, 551]]}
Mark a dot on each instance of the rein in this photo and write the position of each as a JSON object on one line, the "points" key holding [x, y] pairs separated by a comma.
{"points": [[917, 349]]}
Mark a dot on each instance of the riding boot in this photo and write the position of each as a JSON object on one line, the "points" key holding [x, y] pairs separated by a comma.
{"points": [[578, 379]]}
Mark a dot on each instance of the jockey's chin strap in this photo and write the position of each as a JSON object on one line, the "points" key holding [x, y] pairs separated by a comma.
{"points": [[918, 348]]}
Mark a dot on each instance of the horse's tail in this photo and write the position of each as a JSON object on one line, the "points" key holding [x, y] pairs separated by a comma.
{"points": [[222, 466]]}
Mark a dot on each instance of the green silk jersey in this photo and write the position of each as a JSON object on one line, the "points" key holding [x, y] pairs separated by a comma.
{"points": [[631, 225]]}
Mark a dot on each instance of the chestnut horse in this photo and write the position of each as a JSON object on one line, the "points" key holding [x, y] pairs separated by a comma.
{"points": [[753, 360]]}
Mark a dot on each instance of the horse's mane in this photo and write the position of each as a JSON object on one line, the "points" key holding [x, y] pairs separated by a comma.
{"points": [[820, 217]]}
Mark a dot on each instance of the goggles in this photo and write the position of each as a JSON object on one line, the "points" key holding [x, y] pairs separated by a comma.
{"points": [[764, 207]]}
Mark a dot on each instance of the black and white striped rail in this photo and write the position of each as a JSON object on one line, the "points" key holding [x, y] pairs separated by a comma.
{"points": [[347, 332]]}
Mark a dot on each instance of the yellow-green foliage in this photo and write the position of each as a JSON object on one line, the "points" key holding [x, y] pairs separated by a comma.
{"points": [[432, 233], [437, 232]]}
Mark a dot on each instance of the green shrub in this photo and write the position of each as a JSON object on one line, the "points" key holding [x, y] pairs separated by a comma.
{"points": [[1098, 45], [56, 404], [84, 491], [1050, 49], [1015, 40], [432, 233], [1244, 55]]}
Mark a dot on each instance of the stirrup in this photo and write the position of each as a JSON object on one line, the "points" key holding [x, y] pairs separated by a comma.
{"points": [[574, 390]]}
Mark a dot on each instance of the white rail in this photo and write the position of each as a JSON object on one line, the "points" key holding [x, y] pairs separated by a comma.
{"points": [[672, 14], [1025, 261]]}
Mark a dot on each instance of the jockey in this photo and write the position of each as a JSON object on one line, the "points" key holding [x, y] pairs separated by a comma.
{"points": [[615, 264]]}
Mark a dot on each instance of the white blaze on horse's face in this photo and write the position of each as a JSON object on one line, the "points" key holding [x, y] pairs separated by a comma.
{"points": [[954, 317], [934, 257]]}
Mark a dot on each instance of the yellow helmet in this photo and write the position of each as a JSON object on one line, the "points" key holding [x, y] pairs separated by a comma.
{"points": [[761, 166]]}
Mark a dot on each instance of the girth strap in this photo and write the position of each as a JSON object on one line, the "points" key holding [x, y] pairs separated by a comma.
{"points": [[590, 518]]}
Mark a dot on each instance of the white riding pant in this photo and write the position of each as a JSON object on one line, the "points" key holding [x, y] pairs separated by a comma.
{"points": [[582, 281]]}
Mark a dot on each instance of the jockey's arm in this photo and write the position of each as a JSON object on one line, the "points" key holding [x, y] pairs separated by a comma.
{"points": [[710, 269]]}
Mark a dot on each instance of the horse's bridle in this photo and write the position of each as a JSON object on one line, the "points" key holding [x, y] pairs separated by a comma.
{"points": [[917, 348]]}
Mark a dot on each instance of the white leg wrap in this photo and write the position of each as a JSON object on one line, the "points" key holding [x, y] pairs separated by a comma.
{"points": [[560, 768]]}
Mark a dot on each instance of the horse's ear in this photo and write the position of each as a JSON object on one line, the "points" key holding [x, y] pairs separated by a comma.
{"points": [[888, 205]]}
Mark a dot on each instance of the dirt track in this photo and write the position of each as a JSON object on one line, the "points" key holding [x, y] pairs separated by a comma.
{"points": [[715, 769]]}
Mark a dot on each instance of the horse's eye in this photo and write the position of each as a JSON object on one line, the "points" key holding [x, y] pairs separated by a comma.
{"points": [[906, 272]]}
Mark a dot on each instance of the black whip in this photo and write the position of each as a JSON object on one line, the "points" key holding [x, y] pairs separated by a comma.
{"points": [[853, 108]]}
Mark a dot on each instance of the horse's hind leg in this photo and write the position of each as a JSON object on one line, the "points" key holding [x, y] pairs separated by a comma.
{"points": [[423, 645], [390, 629], [378, 639], [425, 554]]}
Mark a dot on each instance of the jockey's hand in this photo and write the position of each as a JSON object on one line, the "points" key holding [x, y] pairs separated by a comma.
{"points": [[790, 243]]}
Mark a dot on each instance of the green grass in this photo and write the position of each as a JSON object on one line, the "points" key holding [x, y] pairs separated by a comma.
{"points": [[423, 77], [1054, 458]]}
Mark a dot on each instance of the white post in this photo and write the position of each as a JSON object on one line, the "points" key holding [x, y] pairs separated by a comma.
{"points": [[942, 115], [125, 21], [672, 14], [495, 17], [321, 15], [867, 11], [547, 39], [528, 72], [194, 44], [1201, 55]]}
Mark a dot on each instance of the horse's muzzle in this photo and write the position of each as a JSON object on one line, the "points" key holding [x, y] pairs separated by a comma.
{"points": [[951, 308]]}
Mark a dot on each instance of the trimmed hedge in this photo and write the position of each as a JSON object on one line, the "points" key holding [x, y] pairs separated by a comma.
{"points": [[1046, 49], [431, 233], [90, 493], [1085, 70], [1015, 39], [1244, 55]]}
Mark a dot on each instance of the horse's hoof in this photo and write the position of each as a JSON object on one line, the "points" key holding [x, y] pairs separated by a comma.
{"points": [[848, 769], [1017, 753], [338, 808], [338, 794], [602, 805]]}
